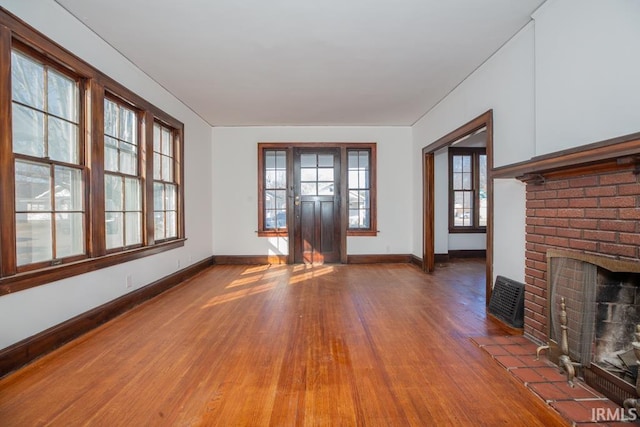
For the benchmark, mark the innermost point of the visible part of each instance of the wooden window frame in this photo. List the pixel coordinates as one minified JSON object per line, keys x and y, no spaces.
{"x":475,"y":153}
{"x":344,"y":148}
{"x":94,"y":87}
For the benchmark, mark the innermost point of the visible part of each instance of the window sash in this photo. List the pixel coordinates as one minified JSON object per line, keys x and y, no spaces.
{"x":467,"y":189}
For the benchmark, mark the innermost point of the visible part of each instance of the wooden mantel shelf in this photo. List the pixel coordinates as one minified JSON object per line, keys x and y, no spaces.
{"x":613,"y":154}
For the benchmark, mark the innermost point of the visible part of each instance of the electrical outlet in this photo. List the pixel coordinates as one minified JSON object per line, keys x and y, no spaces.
{"x":129,"y":281}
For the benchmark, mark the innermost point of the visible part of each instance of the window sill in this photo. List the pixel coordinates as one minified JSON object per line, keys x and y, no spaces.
{"x":362,"y":233}
{"x":469,"y":230}
{"x":30,"y":279}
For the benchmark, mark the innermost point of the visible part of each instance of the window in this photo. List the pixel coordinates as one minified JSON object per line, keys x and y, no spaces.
{"x":468,"y":189}
{"x":165,"y":190}
{"x":359,"y":189}
{"x":49,"y":185}
{"x":275,"y":189}
{"x":91,"y":168}
{"x":122,"y":182}
{"x":358,"y":192}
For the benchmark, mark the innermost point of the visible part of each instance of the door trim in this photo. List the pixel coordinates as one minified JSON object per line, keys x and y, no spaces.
{"x":428,"y":261}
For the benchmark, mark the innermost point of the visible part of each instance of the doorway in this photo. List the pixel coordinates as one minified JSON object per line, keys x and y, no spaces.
{"x":317,"y":218}
{"x":428,"y":261}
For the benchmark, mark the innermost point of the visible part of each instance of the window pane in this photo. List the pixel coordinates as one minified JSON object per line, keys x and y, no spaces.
{"x":28,"y":131}
{"x":128,"y":159}
{"x":62,"y":96}
{"x":171,"y":224}
{"x":132,"y":195}
{"x":128,"y":125}
{"x":114,"y":229}
{"x":457,"y":164}
{"x":27,"y":81}
{"x":354,"y":200}
{"x":158,"y":196}
{"x":280,"y":199}
{"x":33,"y":238}
{"x":466,"y":181}
{"x":110,"y":154}
{"x":156,"y":137}
{"x":281,"y":179}
{"x":110,"y":118}
{"x":364,"y":198}
{"x":270,"y":179}
{"x":69,"y":234}
{"x":466,"y":163}
{"x":113,"y":192}
{"x":33,"y":187}
{"x":63,"y":141}
{"x":269,"y":159}
{"x":281,"y":160}
{"x":133,"y":221}
{"x":170,"y":195}
{"x":353,"y":160}
{"x":159,"y":232}
{"x":363,"y":159}
{"x":157,"y":165}
{"x":167,"y":169}
{"x":68,"y":189}
{"x":167,"y":148}
{"x":270,"y":199}
{"x":281,"y":219}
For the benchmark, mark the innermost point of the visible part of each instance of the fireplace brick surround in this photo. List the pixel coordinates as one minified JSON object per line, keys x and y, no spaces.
{"x":593,"y":213}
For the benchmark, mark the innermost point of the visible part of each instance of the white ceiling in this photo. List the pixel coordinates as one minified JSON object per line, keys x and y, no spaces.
{"x":306,"y":62}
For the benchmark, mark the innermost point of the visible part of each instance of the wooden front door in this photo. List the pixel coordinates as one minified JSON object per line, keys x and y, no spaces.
{"x":316,"y":174}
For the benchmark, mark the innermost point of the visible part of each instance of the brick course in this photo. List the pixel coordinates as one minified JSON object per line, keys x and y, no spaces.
{"x":597,"y":214}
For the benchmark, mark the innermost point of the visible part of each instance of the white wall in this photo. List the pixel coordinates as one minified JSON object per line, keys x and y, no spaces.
{"x":505,"y":83}
{"x":235,"y":211}
{"x":587,"y":81}
{"x":28,"y":312}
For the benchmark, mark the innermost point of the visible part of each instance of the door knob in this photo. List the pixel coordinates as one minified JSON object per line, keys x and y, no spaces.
{"x":296,"y":201}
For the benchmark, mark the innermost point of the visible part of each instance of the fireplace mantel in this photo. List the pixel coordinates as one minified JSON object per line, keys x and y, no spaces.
{"x":605,"y":156}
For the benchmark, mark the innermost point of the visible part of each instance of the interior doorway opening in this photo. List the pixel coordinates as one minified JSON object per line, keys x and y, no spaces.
{"x":431,"y":175}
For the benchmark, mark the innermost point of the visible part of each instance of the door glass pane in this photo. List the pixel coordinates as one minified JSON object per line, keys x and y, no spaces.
{"x":308,"y":160}
{"x":325,"y":174}
{"x":325,"y":188}
{"x":308,"y":189}
{"x":308,"y":174}
{"x":34,"y":242}
{"x":69,"y":234}
{"x":325,"y":160}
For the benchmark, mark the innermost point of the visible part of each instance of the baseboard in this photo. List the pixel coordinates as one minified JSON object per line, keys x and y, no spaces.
{"x":249,"y":259}
{"x":29,"y":349}
{"x":378,"y":259}
{"x":440,"y":258}
{"x":468,"y":253}
{"x":417,"y":261}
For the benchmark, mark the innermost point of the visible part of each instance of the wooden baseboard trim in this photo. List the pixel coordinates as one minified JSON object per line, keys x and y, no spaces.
{"x":441,"y":258}
{"x":379,"y":259}
{"x":469,"y":253}
{"x":249,"y":259}
{"x":29,"y":349}
{"x":417,"y":261}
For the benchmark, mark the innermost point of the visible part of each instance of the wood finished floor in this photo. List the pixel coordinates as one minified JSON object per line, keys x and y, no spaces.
{"x":378,"y":345}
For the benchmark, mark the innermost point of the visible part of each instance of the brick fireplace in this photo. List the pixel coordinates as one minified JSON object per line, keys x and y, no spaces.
{"x":583,"y":205}
{"x":595,"y":213}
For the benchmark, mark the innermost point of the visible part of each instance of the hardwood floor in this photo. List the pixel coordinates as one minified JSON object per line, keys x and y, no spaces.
{"x":334,"y":345}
